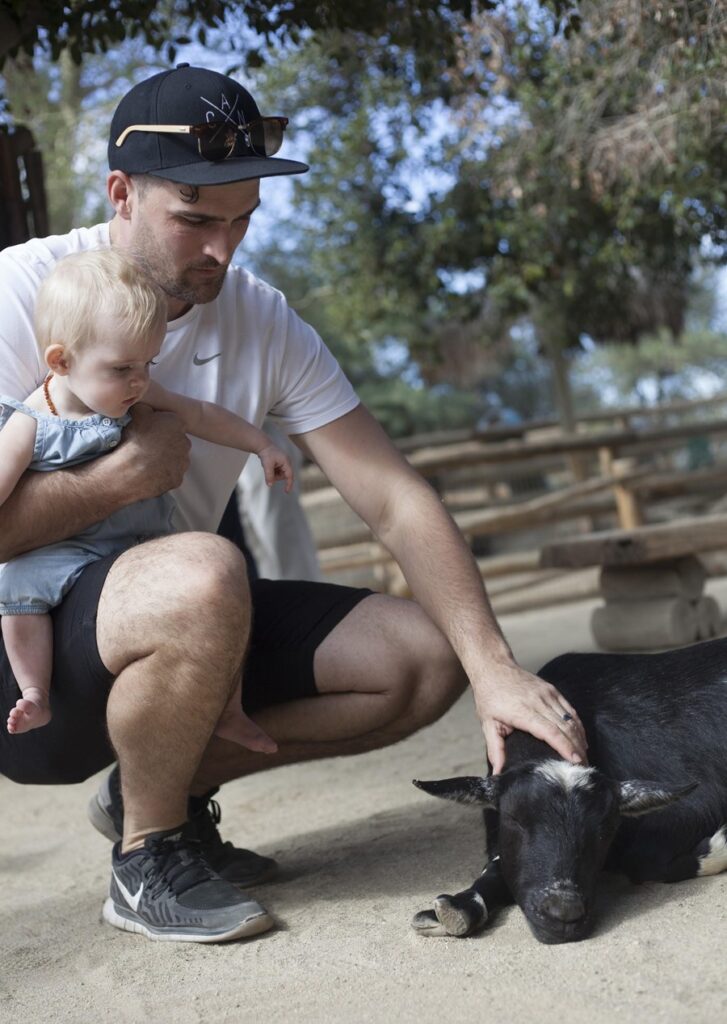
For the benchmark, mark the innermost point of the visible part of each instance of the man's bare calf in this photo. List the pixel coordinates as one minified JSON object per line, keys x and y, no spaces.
{"x":383,"y":673}
{"x":173,"y":624}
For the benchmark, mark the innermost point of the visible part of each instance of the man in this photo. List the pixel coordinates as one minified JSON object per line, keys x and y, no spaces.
{"x":148,"y":647}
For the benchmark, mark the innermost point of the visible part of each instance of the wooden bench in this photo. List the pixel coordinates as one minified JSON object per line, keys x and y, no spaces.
{"x":651,"y":579}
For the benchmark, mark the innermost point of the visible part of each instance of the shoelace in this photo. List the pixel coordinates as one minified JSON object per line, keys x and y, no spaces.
{"x":177,"y":865}
{"x":214,"y":811}
{"x":205,"y":820}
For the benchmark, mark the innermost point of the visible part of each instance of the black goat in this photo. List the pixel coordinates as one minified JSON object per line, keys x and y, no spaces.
{"x":551,"y":826}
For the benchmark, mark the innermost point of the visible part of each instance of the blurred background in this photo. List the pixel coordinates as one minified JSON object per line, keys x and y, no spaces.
{"x":514,"y":210}
{"x":512,"y":232}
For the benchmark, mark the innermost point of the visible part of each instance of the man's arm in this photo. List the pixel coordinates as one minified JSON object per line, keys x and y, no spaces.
{"x":409,"y":518}
{"x":48,"y":507}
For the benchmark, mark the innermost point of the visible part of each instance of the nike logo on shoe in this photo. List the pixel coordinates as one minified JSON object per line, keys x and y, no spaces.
{"x":133,"y":901}
{"x":200,"y":362}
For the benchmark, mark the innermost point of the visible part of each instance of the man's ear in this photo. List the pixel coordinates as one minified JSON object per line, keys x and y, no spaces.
{"x":57,"y":359}
{"x":120,"y":189}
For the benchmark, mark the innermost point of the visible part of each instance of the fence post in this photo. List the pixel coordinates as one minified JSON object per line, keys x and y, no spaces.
{"x":22,"y":191}
{"x":627,"y":504}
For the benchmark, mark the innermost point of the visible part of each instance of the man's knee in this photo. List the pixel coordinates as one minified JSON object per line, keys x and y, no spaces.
{"x":438,"y":679}
{"x":203,"y":569}
{"x":199,"y":569}
{"x":427,"y":677}
{"x":185,"y":588}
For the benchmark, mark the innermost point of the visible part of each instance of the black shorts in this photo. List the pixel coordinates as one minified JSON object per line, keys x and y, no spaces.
{"x":290,"y":619}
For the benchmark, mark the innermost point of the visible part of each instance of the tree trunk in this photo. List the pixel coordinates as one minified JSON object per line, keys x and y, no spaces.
{"x":554,"y":337}
{"x":561,"y":384}
{"x":552,"y":332}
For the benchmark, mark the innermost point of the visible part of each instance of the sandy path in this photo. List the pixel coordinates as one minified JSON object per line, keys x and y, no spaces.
{"x":362,"y":851}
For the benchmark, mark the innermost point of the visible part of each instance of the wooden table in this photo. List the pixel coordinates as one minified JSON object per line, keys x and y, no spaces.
{"x":651,"y":579}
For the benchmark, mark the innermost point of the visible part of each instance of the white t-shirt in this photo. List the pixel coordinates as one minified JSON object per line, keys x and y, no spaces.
{"x":247,"y":351}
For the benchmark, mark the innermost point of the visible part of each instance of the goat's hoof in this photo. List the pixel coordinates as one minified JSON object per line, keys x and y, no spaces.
{"x":460,"y":915}
{"x":426,"y":923}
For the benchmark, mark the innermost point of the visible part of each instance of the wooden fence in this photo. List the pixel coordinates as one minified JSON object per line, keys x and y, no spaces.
{"x":23,"y":209}
{"x":621,"y":474}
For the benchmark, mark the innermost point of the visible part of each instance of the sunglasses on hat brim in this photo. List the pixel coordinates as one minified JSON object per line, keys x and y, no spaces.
{"x":218,"y":140}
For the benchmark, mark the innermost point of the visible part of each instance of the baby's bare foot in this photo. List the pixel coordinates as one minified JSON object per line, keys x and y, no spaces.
{"x":31,"y":711}
{"x":234,"y":725}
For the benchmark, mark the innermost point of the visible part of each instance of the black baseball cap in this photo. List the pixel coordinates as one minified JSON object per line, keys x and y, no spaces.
{"x":189,"y":96}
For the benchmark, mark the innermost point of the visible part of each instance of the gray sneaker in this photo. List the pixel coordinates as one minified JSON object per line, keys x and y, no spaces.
{"x":239,"y":866}
{"x":167,"y":892}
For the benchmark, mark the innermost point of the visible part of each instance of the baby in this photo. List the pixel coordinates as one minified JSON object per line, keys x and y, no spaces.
{"x":100,"y":324}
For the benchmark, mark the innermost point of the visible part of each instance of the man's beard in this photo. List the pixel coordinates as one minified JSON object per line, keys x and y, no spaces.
{"x":196,"y":294}
{"x":174,"y":283}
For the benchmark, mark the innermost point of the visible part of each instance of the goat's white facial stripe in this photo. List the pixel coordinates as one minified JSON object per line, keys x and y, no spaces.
{"x":716,"y":860}
{"x":569,"y":776}
{"x":560,"y":885}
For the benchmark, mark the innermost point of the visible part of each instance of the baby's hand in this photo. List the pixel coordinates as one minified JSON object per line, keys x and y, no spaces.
{"x":277,"y":466}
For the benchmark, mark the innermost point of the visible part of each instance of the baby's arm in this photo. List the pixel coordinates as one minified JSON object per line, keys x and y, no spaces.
{"x":214,"y":423}
{"x":17,"y":442}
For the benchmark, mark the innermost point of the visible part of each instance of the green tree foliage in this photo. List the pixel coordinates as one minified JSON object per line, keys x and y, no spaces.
{"x":655,"y":369}
{"x":605,"y":185}
{"x":350,"y":256}
{"x":571,"y":180}
{"x":67,"y":107}
{"x":473,"y":166}
{"x":92,"y":26}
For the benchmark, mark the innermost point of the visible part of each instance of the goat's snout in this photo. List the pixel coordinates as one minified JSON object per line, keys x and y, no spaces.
{"x":558,"y":914}
{"x":561,"y":905}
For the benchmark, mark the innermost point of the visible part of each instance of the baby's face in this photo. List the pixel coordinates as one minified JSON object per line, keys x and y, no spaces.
{"x":112,"y":375}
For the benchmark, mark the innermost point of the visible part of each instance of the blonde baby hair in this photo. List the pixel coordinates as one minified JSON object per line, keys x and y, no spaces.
{"x":86,"y":286}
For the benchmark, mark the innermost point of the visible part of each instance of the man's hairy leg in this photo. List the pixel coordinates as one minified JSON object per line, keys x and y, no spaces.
{"x":172,"y":627}
{"x":384,"y":672}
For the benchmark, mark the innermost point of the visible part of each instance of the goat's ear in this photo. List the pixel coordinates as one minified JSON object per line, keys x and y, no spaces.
{"x":637,"y":797}
{"x":467,"y":789}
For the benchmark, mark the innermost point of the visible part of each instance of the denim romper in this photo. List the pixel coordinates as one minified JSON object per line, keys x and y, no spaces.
{"x":38,"y":580}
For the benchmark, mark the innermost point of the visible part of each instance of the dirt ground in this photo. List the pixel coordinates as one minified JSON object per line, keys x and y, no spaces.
{"x":361,"y":851}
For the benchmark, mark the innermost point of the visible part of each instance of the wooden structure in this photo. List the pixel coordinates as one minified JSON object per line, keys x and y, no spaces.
{"x":651,"y":580}
{"x":610,"y":444}
{"x":636,"y":475}
{"x":631,"y":470}
{"x":623,"y":417}
{"x":23,"y":207}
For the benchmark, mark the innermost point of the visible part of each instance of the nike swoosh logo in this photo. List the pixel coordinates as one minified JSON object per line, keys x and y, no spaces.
{"x":200,"y":362}
{"x":133,"y":901}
